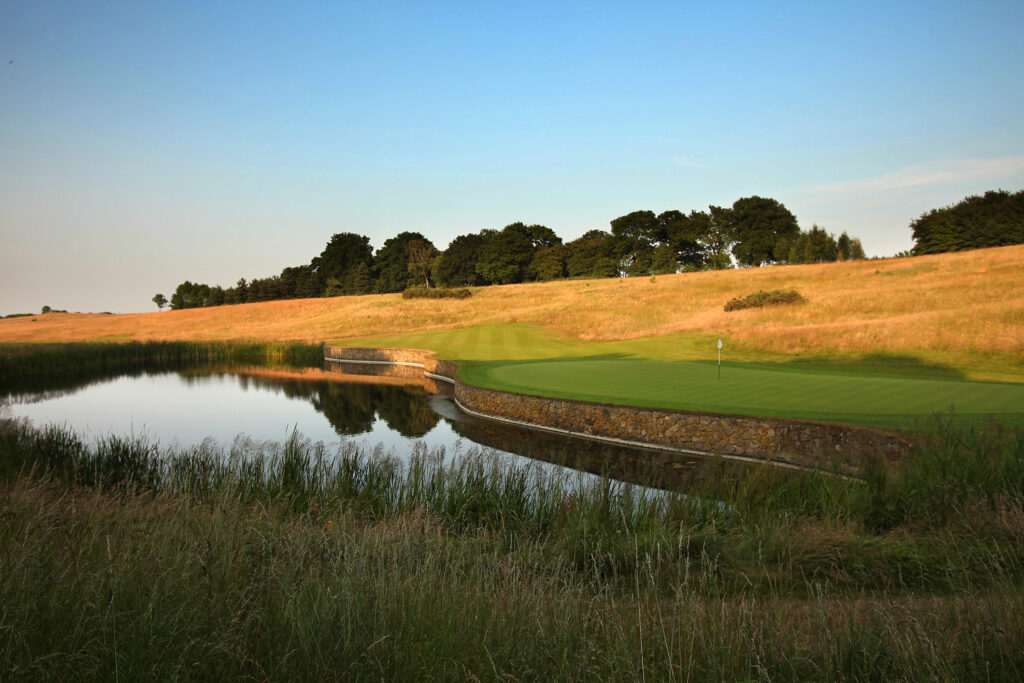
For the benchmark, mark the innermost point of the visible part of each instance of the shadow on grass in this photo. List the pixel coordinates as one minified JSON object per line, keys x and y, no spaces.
{"x":880,"y":364}
{"x":873,"y":365}
{"x":956,"y":403}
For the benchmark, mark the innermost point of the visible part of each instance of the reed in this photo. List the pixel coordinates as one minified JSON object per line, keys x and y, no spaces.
{"x":32,"y":360}
{"x":284,"y":560}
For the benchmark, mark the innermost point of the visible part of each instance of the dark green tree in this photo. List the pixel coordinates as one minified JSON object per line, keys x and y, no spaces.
{"x":505,"y":257}
{"x":548,"y":263}
{"x":160,"y":300}
{"x":843,"y":247}
{"x":763,"y":228}
{"x":420,"y":262}
{"x":719,"y":238}
{"x":856,"y":250}
{"x":814,"y":246}
{"x":636,"y":235}
{"x":994,"y":219}
{"x":391,"y":262}
{"x":344,"y":252}
{"x":190,"y":295}
{"x":663,"y":260}
{"x":542,"y":236}
{"x":297,"y":282}
{"x":358,"y":280}
{"x":216,"y":296}
{"x":456,"y":266}
{"x":241,"y":291}
{"x":592,"y":255}
{"x":685,"y":235}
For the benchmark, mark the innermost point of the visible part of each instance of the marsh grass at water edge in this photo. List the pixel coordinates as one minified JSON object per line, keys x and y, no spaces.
{"x":123,"y":558}
{"x":19,"y":361}
{"x":286,"y":561}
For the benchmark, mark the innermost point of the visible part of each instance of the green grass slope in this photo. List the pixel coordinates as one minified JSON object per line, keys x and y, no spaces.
{"x":680,"y":372}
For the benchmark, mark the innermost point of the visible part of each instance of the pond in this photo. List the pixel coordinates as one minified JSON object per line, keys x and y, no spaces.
{"x":391,"y":409}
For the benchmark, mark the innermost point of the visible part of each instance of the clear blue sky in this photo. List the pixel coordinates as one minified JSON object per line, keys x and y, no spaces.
{"x":145,"y":143}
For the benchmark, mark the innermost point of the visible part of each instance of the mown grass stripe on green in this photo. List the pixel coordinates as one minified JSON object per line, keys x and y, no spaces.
{"x":679,"y":371}
{"x":752,"y":390}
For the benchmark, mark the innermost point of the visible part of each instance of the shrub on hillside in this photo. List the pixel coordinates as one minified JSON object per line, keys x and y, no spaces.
{"x":759,"y":299}
{"x":436,"y":293}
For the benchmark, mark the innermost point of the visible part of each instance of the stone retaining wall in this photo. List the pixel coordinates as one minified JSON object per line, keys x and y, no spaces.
{"x":434,"y":366}
{"x":800,"y":442}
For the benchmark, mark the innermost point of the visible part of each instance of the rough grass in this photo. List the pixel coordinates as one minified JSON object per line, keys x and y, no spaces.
{"x":776,"y":297}
{"x":965,"y":309}
{"x":122,"y":560}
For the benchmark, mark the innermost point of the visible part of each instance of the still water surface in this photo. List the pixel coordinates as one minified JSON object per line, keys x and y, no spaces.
{"x":187,"y":407}
{"x":178,"y":409}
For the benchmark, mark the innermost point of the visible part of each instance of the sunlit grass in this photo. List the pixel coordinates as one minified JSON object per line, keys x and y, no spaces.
{"x":965,"y":308}
{"x":760,"y":389}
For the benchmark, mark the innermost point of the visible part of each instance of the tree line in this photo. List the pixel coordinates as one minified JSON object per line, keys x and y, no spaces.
{"x":754,"y":231}
{"x":995,"y":219}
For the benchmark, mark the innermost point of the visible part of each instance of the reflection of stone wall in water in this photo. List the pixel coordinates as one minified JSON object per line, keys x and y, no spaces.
{"x":812,"y":444}
{"x":660,"y":469}
{"x":410,"y":374}
{"x":801,"y":442}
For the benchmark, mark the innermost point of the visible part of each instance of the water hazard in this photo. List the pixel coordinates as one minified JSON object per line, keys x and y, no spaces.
{"x":390,"y":409}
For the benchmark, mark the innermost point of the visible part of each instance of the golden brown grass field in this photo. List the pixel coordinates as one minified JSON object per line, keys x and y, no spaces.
{"x":960,"y":307}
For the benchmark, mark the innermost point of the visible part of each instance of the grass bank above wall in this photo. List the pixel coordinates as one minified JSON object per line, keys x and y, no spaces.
{"x":962,"y":310}
{"x":680,"y":372}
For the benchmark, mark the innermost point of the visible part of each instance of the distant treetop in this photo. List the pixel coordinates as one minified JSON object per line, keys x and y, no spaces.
{"x":995,"y":219}
{"x":756,"y":230}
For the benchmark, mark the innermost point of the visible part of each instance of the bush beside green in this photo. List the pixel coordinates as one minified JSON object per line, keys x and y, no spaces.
{"x":760,"y":299}
{"x":436,"y":293}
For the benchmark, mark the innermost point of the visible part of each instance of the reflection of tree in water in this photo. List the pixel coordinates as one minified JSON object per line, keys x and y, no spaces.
{"x":352,"y":408}
{"x":405,"y":410}
{"x":348,"y":407}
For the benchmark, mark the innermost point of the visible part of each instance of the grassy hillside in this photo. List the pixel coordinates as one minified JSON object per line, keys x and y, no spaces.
{"x":963,"y":310}
{"x":878,"y":342}
{"x":680,"y":371}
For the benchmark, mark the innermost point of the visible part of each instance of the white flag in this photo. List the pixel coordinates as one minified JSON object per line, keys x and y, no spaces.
{"x":719,"y":343}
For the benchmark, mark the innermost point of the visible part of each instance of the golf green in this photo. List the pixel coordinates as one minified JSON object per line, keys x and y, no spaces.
{"x":678,"y":371}
{"x":758,"y":390}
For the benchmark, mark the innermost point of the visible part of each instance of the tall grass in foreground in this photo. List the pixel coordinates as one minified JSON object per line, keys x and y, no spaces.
{"x":288,"y":561}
